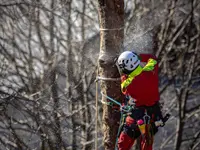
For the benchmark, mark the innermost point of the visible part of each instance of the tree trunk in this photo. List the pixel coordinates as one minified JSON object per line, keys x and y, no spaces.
{"x":69,"y":74}
{"x":111,"y":15}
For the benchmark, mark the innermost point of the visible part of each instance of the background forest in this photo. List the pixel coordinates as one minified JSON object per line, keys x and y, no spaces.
{"x":48,"y":61}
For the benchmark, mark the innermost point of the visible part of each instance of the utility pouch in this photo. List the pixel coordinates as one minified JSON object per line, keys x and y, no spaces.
{"x":132,"y":131}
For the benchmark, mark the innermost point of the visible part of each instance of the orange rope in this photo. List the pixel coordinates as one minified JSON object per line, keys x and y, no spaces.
{"x":148,"y":137}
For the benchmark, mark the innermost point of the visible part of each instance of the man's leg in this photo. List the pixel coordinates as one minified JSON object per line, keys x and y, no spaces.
{"x":128,"y":136}
{"x":145,"y":146}
{"x":125,"y":142}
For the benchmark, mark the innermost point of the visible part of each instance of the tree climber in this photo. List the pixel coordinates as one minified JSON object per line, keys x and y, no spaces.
{"x":139,"y":83}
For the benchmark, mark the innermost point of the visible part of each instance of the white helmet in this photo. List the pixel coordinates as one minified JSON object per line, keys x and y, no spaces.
{"x":128,"y":61}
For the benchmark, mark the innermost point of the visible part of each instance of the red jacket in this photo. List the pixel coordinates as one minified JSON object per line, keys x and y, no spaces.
{"x":144,"y":87}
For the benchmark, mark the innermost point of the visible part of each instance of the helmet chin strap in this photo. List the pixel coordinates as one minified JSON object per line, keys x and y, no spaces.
{"x":123,"y":70}
{"x":128,"y":71}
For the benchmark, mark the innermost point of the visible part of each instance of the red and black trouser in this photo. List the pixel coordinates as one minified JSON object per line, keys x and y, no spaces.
{"x":130,"y":130}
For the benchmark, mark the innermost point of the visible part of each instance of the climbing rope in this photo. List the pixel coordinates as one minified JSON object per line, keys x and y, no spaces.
{"x":96,"y":126}
{"x":121,"y":115}
{"x":107,"y":29}
{"x":113,"y":101}
{"x":107,"y":79}
{"x":119,"y":129}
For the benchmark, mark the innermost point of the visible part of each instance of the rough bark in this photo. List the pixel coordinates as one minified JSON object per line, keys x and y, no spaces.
{"x":111,"y":15}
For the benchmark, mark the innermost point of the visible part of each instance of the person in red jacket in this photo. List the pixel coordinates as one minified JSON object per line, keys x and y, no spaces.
{"x":139,"y":82}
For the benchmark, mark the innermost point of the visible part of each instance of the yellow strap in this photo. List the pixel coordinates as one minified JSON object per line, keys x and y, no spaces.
{"x":131,"y":76}
{"x":148,"y":67}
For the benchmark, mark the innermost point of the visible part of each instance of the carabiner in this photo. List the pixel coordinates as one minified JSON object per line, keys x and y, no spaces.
{"x":146,"y":118}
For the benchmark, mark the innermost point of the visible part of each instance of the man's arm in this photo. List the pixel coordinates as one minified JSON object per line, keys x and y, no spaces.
{"x":151,"y":61}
